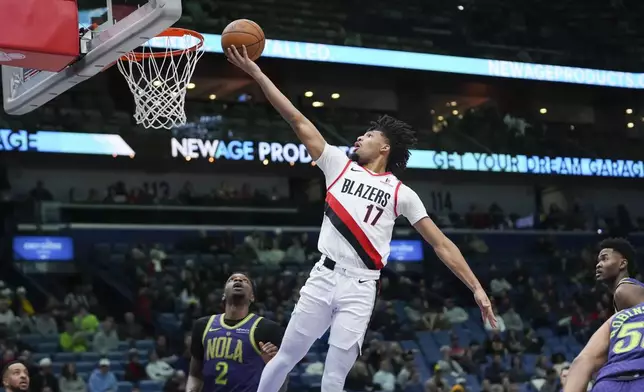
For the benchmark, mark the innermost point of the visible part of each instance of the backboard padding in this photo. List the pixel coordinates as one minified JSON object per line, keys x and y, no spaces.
{"x":25,"y":90}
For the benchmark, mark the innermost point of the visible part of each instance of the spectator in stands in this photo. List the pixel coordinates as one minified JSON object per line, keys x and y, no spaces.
{"x":134,"y":370}
{"x":359,"y":378}
{"x":468,"y":362}
{"x":40,"y":193}
{"x":22,"y":305}
{"x":8,"y":356}
{"x":188,"y":295}
{"x":455,"y":314}
{"x":385,"y":377}
{"x":8,"y":319}
{"x":295,"y":252}
{"x":512,"y":320}
{"x":495,"y":345}
{"x":437,"y":383}
{"x":72,"y":340}
{"x":541,"y":367}
{"x":563,"y":376}
{"x":157,"y":369}
{"x":106,"y":339}
{"x":513,"y":343}
{"x":44,"y":324}
{"x":517,"y":374}
{"x":552,"y":382}
{"x":455,"y":349}
{"x":86,"y":322}
{"x":69,"y":380}
{"x":130,"y":329}
{"x":414,"y":311}
{"x":102,"y":379}
{"x":163,"y":349}
{"x":495,"y":372}
{"x":385,"y":320}
{"x":44,"y":377}
{"x":449,"y":365}
{"x":559,"y":362}
{"x":177,"y":383}
{"x":499,"y":286}
{"x":531,"y":341}
{"x":183,"y":362}
{"x":76,"y":299}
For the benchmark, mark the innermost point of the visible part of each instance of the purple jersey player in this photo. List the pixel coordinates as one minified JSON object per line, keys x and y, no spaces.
{"x":616,"y":349}
{"x":229,"y":350}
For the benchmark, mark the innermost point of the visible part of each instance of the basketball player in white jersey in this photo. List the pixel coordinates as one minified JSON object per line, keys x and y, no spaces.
{"x":363,"y":200}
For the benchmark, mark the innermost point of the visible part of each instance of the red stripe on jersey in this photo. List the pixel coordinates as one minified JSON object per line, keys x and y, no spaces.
{"x":340,"y":175}
{"x":396,"y":198}
{"x":355,"y":230}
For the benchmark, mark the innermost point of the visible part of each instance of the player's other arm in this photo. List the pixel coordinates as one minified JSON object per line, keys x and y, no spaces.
{"x":303,"y":127}
{"x":268,"y":338}
{"x":590,"y":360}
{"x":195,"y":372}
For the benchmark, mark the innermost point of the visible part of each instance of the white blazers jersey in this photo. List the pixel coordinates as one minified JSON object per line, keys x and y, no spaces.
{"x":360,"y":211}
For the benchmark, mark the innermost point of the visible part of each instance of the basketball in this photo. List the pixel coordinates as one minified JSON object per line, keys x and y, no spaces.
{"x":244,"y":32}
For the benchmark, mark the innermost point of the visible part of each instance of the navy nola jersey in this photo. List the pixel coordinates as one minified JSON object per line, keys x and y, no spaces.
{"x":230,"y":351}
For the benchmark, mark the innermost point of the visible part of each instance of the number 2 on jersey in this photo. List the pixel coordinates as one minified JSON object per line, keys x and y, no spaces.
{"x":379,"y":212}
{"x":630,"y":337}
{"x":222,"y":368}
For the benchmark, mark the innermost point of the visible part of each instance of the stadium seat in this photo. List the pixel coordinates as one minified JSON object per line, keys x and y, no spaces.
{"x":150,"y":386}
{"x":86,"y":367}
{"x":48,"y":348}
{"x":90,"y":357}
{"x":125,"y":386}
{"x":65,"y":357}
{"x":146,"y":345}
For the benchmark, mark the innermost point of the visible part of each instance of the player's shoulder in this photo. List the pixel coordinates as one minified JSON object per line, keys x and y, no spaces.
{"x":267,"y":322}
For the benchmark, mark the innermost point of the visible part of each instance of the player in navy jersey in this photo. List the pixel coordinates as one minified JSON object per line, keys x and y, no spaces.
{"x":229,"y":350}
{"x":616,"y":350}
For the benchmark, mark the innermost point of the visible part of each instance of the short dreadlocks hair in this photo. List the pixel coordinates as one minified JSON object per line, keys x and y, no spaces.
{"x":401,"y":139}
{"x":624,"y":248}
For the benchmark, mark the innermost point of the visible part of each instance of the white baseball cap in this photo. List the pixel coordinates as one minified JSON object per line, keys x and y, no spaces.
{"x":104,"y":362}
{"x":45,"y":362}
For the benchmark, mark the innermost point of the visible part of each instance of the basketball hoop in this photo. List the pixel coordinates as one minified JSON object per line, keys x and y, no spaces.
{"x":158,"y":75}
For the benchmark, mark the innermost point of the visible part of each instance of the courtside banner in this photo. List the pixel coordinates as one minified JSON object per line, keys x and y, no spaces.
{"x":292,"y":153}
{"x":64,"y":143}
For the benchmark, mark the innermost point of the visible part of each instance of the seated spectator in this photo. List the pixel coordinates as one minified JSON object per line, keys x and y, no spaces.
{"x":516,"y":374}
{"x":22,"y":305}
{"x":551,"y":383}
{"x":495,"y":345}
{"x":359,"y":378}
{"x":44,"y":377}
{"x":455,"y":349}
{"x":8,"y":319}
{"x":500,"y":323}
{"x":76,"y":299}
{"x":448,"y":365}
{"x":385,"y":377}
{"x":44,"y":324}
{"x":495,"y":372}
{"x":468,"y":363}
{"x":134,"y":370}
{"x":72,"y":340}
{"x":183,"y":362}
{"x":157,"y":369}
{"x":106,"y":339}
{"x":436,"y":383}
{"x":406,"y":374}
{"x":69,"y":380}
{"x":177,"y":383}
{"x":559,"y":362}
{"x":454,"y":314}
{"x":414,"y":311}
{"x":130,"y":329}
{"x":295,"y":252}
{"x":541,"y":367}
{"x":499,"y":286}
{"x":163,"y":350}
{"x":86,"y":322}
{"x":102,"y":379}
{"x":512,"y":320}
{"x":513,"y":343}
{"x":563,"y":376}
{"x":531,"y":341}
{"x":7,"y":356}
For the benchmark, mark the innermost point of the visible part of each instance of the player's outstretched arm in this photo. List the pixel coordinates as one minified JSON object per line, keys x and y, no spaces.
{"x":590,"y":360}
{"x":452,"y":257}
{"x":304,"y":129}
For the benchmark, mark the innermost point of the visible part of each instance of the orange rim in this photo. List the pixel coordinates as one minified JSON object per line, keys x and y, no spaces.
{"x":170,"y":32}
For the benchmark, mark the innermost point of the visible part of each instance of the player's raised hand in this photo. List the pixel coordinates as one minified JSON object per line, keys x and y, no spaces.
{"x":242,"y":60}
{"x":486,"y":307}
{"x":269,"y":350}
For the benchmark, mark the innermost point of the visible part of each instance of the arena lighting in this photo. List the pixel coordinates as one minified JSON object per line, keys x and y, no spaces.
{"x":308,"y":94}
{"x":440,"y":118}
{"x":157,"y":83}
{"x":318,"y":104}
{"x":453,"y":103}
{"x":190,"y":86}
{"x":212,"y":97}
{"x":629,"y":111}
{"x":274,"y":152}
{"x":460,"y":8}
{"x":455,"y":112}
{"x":543,"y":110}
{"x":335,"y":96}
{"x":630,"y":125}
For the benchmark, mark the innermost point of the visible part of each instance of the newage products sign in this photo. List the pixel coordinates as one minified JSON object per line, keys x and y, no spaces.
{"x":238,"y":150}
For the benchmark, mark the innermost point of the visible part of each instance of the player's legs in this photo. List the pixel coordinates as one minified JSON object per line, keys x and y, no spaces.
{"x":337,"y":366}
{"x":310,"y":319}
{"x":354,"y":302}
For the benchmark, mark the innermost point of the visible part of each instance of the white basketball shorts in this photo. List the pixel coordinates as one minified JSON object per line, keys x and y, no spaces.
{"x":342,"y":299}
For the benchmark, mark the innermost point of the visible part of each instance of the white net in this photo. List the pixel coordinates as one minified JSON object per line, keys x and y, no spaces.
{"x":159,"y":83}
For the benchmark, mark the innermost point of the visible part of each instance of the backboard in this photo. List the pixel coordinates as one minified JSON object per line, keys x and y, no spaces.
{"x":24,"y":89}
